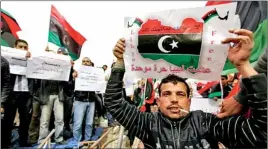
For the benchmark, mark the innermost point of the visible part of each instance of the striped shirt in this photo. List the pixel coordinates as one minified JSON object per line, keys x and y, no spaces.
{"x":236,"y":131}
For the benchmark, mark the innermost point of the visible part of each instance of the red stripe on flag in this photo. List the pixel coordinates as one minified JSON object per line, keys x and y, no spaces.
{"x":80,"y":39}
{"x":235,"y":89}
{"x":210,"y":3}
{"x":207,"y":86}
{"x":13,"y":26}
{"x":151,"y":98}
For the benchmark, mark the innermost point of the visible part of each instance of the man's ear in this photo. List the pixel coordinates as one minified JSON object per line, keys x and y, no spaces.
{"x":189,"y":100}
{"x":158,"y":102}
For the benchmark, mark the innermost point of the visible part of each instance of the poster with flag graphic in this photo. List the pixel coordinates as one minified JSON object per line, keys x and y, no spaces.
{"x":186,"y":42}
{"x":9,"y":29}
{"x":254,"y":17}
{"x":63,"y":35}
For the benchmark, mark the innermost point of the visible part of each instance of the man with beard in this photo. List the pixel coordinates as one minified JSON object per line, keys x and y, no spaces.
{"x":177,"y":127}
{"x":84,"y":107}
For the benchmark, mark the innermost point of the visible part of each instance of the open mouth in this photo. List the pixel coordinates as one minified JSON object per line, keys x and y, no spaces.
{"x":174,"y":109}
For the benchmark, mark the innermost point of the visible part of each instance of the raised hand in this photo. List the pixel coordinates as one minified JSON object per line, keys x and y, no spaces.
{"x":239,"y":53}
{"x":119,"y":49}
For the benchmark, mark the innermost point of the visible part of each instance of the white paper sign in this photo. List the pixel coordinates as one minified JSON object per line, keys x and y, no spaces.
{"x":90,"y":79}
{"x":16,"y":58}
{"x":49,"y":66}
{"x":205,"y":104}
{"x":185,"y":42}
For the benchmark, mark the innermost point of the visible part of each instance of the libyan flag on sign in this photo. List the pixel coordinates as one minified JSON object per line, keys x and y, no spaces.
{"x":62,"y":35}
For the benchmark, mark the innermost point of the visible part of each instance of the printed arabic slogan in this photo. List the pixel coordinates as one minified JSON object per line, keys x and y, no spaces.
{"x":49,"y":66}
{"x":16,"y":58}
{"x":186,"y":42}
{"x":90,"y":79}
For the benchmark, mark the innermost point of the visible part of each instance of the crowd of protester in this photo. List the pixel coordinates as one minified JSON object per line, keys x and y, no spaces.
{"x":154,"y":113}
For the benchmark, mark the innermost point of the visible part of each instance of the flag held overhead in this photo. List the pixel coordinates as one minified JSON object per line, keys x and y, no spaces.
{"x":62,"y":34}
{"x":9,"y":29}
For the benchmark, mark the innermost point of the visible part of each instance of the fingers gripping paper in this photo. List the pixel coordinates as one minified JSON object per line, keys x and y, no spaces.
{"x":186,"y":42}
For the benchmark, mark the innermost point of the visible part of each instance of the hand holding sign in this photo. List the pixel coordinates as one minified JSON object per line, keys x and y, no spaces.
{"x":119,"y":49}
{"x":75,"y":74}
{"x":240,"y":52}
{"x":28,"y":54}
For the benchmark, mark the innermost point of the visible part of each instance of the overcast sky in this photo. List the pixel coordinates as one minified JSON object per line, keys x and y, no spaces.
{"x":101,"y":23}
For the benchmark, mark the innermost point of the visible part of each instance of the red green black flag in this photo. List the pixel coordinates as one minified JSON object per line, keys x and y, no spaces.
{"x":62,"y":34}
{"x":9,"y":29}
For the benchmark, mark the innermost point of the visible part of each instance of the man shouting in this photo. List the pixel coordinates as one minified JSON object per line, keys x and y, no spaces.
{"x":174,"y":126}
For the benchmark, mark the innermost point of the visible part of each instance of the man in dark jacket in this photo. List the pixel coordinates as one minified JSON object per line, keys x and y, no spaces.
{"x":5,"y":82}
{"x":175,"y":127}
{"x":5,"y":92}
{"x":21,"y":99}
{"x":84,"y":106}
{"x":51,"y":96}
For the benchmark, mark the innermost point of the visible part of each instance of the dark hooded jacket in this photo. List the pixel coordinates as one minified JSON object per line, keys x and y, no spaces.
{"x":197,"y":129}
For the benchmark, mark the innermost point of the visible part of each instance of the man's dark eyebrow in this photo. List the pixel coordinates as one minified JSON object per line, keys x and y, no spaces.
{"x":181,"y":92}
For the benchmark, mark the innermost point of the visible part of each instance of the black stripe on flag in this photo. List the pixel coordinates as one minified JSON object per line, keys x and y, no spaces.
{"x":170,"y":44}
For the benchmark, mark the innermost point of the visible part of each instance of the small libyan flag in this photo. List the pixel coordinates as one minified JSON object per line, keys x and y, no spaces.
{"x":136,"y":21}
{"x":177,"y":46}
{"x":9,"y":29}
{"x":62,"y":35}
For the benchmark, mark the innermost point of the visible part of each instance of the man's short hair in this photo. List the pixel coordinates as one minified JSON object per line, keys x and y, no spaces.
{"x":63,"y":50}
{"x":224,"y":76}
{"x":104,"y":66}
{"x":174,"y":79}
{"x":20,"y":40}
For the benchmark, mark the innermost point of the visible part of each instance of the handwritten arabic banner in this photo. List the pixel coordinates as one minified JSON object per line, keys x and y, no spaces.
{"x":49,"y":66}
{"x":186,"y":42}
{"x":90,"y":79}
{"x":16,"y":58}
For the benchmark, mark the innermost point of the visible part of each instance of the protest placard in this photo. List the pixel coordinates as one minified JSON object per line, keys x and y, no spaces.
{"x":185,"y":42}
{"x":16,"y":58}
{"x":49,"y":66}
{"x":90,"y":79}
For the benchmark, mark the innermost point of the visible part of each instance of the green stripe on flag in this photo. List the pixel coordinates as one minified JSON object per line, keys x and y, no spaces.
{"x":210,"y":17}
{"x":7,"y":13}
{"x":4,"y":43}
{"x":215,"y":94}
{"x":55,"y":39}
{"x":186,"y":60}
{"x":260,"y":43}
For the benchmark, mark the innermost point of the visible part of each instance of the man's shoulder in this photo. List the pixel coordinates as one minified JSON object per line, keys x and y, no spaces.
{"x":199,"y":114}
{"x":4,"y":61}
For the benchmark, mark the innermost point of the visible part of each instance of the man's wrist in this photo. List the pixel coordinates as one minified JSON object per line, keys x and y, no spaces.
{"x":119,"y":64}
{"x":246,"y":70}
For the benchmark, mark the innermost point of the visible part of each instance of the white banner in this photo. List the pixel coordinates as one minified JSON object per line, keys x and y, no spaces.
{"x":185,"y":42}
{"x":49,"y":66}
{"x":16,"y":58}
{"x":90,"y":79}
{"x":205,"y":104}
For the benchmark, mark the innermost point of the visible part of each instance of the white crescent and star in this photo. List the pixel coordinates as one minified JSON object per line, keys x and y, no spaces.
{"x":160,"y":44}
